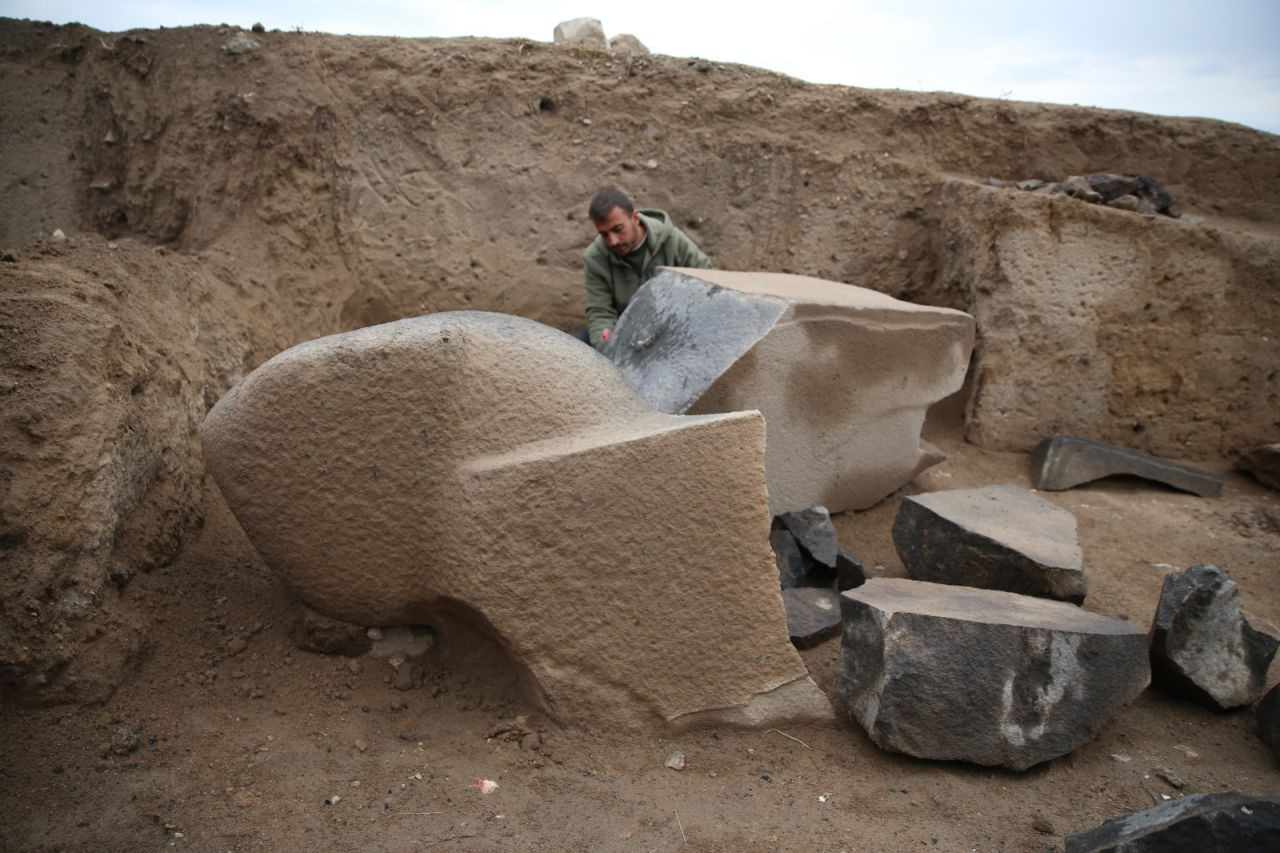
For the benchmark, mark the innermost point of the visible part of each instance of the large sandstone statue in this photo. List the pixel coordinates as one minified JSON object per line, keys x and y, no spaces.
{"x":487,"y":467}
{"x":842,"y":374}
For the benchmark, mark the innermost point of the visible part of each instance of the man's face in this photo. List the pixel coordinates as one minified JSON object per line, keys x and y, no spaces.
{"x":621,"y":231}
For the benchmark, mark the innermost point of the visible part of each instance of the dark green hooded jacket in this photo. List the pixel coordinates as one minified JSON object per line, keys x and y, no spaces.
{"x":613,"y":280}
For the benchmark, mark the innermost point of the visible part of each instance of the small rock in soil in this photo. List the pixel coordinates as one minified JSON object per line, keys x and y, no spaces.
{"x":1042,"y":825}
{"x":1202,"y":647}
{"x":675,"y":761}
{"x":124,"y":740}
{"x":360,"y":745}
{"x":236,"y":645}
{"x":1263,"y":463}
{"x":1169,"y":776}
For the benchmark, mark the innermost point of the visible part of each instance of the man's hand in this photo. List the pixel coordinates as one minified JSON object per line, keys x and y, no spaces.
{"x":604,"y":335}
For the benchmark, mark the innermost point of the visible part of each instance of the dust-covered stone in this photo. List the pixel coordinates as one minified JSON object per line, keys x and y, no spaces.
{"x":997,"y":537}
{"x":1202,"y":647}
{"x":988,"y":677}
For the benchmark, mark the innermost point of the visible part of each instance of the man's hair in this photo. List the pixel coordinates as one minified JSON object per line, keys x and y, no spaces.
{"x":606,"y":200}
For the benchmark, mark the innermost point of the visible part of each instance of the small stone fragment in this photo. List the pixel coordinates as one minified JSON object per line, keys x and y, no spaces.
{"x":240,"y":43}
{"x":815,"y":533}
{"x":314,"y":632}
{"x":849,"y":570}
{"x":585,"y":32}
{"x":1263,"y":462}
{"x":794,"y":566}
{"x":997,"y":537}
{"x":59,"y":236}
{"x":1200,"y":822}
{"x":955,"y":673}
{"x":124,"y":740}
{"x":1043,"y":826}
{"x":1120,"y":758}
{"x":1063,"y":461}
{"x":627,"y":43}
{"x":675,"y":761}
{"x":531,"y":742}
{"x":360,"y":745}
{"x":813,"y":614}
{"x":1186,"y":751}
{"x":1167,"y":774}
{"x":236,"y":645}
{"x":1202,"y":647}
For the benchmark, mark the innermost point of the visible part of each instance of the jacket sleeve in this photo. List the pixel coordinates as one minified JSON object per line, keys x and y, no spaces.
{"x":601,"y":314}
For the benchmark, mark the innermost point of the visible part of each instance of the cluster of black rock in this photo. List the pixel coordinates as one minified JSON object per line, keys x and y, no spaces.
{"x":1136,"y":193}
{"x":972,"y":659}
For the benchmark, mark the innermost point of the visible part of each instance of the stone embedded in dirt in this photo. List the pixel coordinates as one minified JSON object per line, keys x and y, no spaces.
{"x":1064,"y":461}
{"x":587,"y":32}
{"x":240,"y":43}
{"x":997,"y":537}
{"x":849,"y":570}
{"x":1202,"y":647}
{"x":675,"y":761}
{"x":627,"y":43}
{"x":1199,"y":822}
{"x":1144,"y":189}
{"x":1267,"y":714}
{"x":124,"y":740}
{"x":813,"y":614}
{"x":315,"y":632}
{"x":1169,"y":776}
{"x":1263,"y":462}
{"x":814,"y":532}
{"x":843,"y":375}
{"x":1079,"y":187}
{"x":795,"y":568}
{"x":236,"y":645}
{"x":457,"y":469}
{"x":996,"y":678}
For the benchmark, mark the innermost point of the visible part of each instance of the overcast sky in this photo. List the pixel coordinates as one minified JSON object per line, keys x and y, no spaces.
{"x":1173,"y":57}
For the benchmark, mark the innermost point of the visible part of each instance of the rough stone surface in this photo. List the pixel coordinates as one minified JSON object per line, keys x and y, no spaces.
{"x":843,"y":375}
{"x":997,"y":537}
{"x":239,"y":43}
{"x":587,"y":32}
{"x":849,"y":570}
{"x":813,"y":529}
{"x":627,"y":43}
{"x":1263,"y":462}
{"x":489,"y":469}
{"x":1268,"y":716}
{"x":994,"y":678}
{"x":813,"y":614}
{"x":1143,"y":189}
{"x":1063,"y":462}
{"x":795,"y":568}
{"x":1202,"y":647}
{"x":1227,"y":821}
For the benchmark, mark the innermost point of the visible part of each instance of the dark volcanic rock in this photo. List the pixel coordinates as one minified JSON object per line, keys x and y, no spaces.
{"x":998,"y":537}
{"x":1268,"y":716}
{"x":812,"y":528}
{"x":849,"y":570}
{"x":1263,"y":463}
{"x":795,"y":568}
{"x":1228,"y":821}
{"x":813,"y":614}
{"x":1063,"y":461}
{"x":990,"y":677}
{"x":1202,"y":647}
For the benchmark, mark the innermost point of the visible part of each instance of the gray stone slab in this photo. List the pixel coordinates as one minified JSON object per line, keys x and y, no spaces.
{"x":1202,"y":647}
{"x":1064,"y":462}
{"x":1200,"y":823}
{"x":995,"y":678}
{"x":814,"y":531}
{"x":813,"y":615}
{"x":997,"y":537}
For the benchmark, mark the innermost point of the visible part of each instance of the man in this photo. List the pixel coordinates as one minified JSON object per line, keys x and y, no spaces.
{"x":630,"y":245}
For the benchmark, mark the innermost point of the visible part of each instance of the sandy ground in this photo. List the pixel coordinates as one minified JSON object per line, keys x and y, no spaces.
{"x":245,"y":751}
